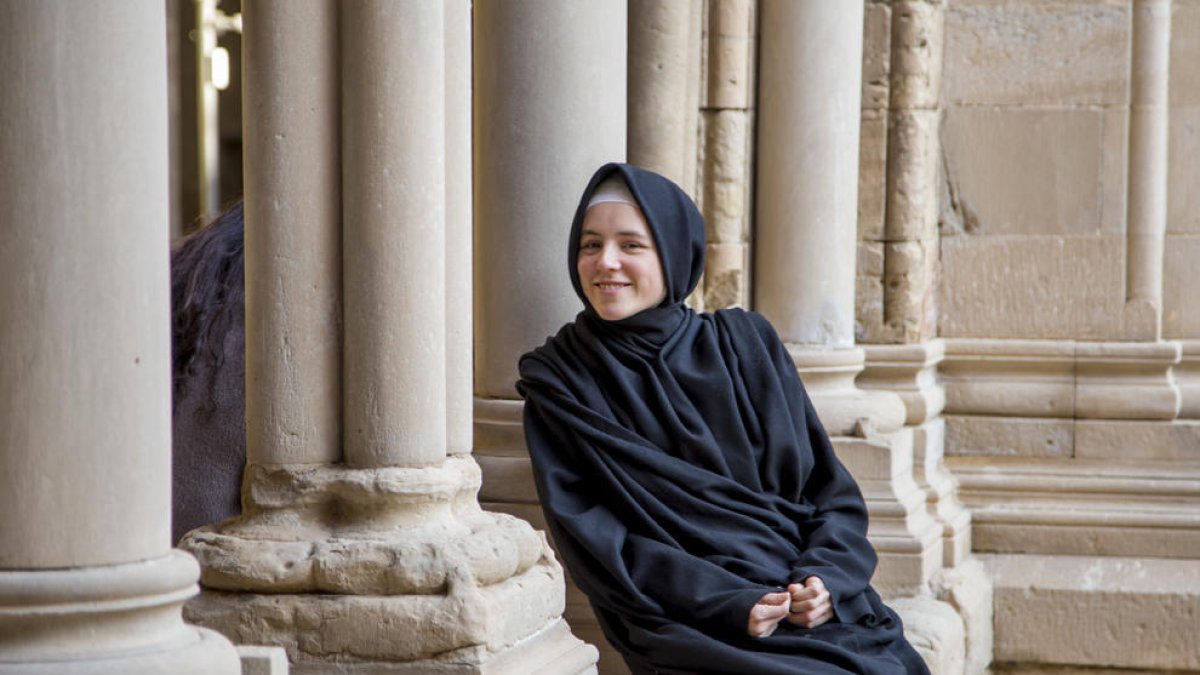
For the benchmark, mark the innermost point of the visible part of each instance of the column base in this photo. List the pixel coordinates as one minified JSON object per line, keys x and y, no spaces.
{"x":936,"y":631}
{"x":107,"y":619}
{"x":844,"y":409}
{"x":968,"y":588}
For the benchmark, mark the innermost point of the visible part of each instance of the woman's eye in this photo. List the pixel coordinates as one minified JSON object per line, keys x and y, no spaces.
{"x":589,"y":246}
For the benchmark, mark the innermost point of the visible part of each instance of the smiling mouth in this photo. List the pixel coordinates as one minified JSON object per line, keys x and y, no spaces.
{"x":610,"y":285}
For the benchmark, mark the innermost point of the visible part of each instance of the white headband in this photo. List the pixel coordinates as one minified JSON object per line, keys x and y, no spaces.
{"x":612,"y":189}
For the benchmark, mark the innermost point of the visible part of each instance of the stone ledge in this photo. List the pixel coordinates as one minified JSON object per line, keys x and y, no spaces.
{"x":1096,"y":612}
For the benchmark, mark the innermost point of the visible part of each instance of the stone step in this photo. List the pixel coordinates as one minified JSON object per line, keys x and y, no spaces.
{"x":1055,"y":612}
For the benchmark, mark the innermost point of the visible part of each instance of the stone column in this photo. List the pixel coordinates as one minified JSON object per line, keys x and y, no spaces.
{"x":725,"y":198}
{"x":810,"y":75}
{"x":550,"y":108}
{"x":1148,"y":130}
{"x":383,"y":561}
{"x":88,"y":580}
{"x":293,"y":232}
{"x":664,"y":87}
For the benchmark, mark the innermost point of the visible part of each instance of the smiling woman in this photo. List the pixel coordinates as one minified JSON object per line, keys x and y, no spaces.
{"x":618,"y":262}
{"x":692,"y":492}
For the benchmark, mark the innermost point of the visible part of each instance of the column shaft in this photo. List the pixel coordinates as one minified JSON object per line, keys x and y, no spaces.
{"x":88,"y":581}
{"x":394,"y":232}
{"x":85,"y":422}
{"x":549,"y":109}
{"x":460,"y":388}
{"x":810,"y":71}
{"x":664,"y":56}
{"x":1148,"y":127}
{"x":293,"y":240}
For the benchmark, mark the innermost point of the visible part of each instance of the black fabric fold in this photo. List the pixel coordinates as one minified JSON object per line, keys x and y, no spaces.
{"x":684,"y":474}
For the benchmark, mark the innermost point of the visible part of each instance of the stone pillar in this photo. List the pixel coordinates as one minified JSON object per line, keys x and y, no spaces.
{"x":728,"y":149}
{"x":382,"y":561}
{"x":460,"y":385}
{"x":293,"y":233}
{"x":550,"y":108}
{"x":1148,"y":129}
{"x":810,"y":75}
{"x":88,"y":580}
{"x":664,"y":87}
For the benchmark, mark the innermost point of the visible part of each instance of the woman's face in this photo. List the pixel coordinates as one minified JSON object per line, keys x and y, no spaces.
{"x":618,"y":264}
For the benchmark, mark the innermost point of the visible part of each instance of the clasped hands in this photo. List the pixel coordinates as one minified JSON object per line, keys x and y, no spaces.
{"x":806,"y":605}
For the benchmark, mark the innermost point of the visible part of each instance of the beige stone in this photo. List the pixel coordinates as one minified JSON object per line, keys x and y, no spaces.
{"x":1137,"y":440}
{"x":1027,"y":171}
{"x":731,"y":32}
{"x":912,"y":191}
{"x":1009,"y":436}
{"x":293,"y":212}
{"x":1185,"y":49}
{"x":877,"y":56}
{"x":936,"y":631}
{"x":1187,"y":378}
{"x":460,"y":385}
{"x":664,"y":41}
{"x":1081,"y":506}
{"x":1044,"y":287}
{"x":911,"y":372}
{"x":263,"y":660}
{"x":1104,"y":612}
{"x":917,"y":52}
{"x":726,"y":276}
{"x":910,"y":272}
{"x":555,"y":114}
{"x":1062,"y":53}
{"x":1013,"y":378}
{"x":394,"y":125}
{"x":1126,"y":381}
{"x":727,"y":189}
{"x":1183,"y":211}
{"x":1181,"y":302}
{"x":967,"y":587}
{"x":872,"y":176}
{"x":844,"y":409}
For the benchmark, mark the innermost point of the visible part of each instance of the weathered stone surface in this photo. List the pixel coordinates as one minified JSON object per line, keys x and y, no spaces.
{"x":1081,"y":506}
{"x":263,"y":660}
{"x":1044,"y":287}
{"x":1065,"y":52}
{"x":1027,"y":171}
{"x":1187,"y":378}
{"x":877,"y":56}
{"x":872,"y":176}
{"x":913,"y":151}
{"x":726,"y":276}
{"x":1103,"y":612}
{"x":967,"y":587}
{"x":1181,"y":302}
{"x":1009,"y":436}
{"x":936,"y":631}
{"x":1135,"y":440}
{"x":1183,"y":197}
{"x":462,"y":624}
{"x":731,"y":29}
{"x":917,"y":51}
{"x":727,"y":156}
{"x":1185,"y":50}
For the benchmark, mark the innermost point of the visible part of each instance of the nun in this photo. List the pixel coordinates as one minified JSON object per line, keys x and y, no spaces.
{"x":689,"y":487}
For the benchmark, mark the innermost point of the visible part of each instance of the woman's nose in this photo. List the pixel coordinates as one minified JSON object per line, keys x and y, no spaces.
{"x":610,"y":257}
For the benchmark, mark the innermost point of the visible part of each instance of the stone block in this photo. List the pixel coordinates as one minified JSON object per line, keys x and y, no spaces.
{"x":1134,"y":440}
{"x":972,"y":435}
{"x":872,"y":175}
{"x":1032,"y":52}
{"x":1183,"y":197}
{"x":877,"y":55}
{"x":1114,"y":171}
{"x":910,"y":269}
{"x":870,"y":259}
{"x":1043,"y":287}
{"x":507,"y":479}
{"x":912,"y":175}
{"x":1185,"y":49}
{"x":967,"y":587}
{"x":1181,"y":302}
{"x":1187,"y":378}
{"x":936,"y":631}
{"x":917,"y":52}
{"x":1096,"y":612}
{"x":727,"y":276}
{"x":730,"y":55}
{"x":263,"y":660}
{"x":1023,"y":171}
{"x":726,"y":175}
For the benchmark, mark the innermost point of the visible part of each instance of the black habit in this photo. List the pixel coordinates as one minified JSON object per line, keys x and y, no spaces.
{"x":684,"y":474}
